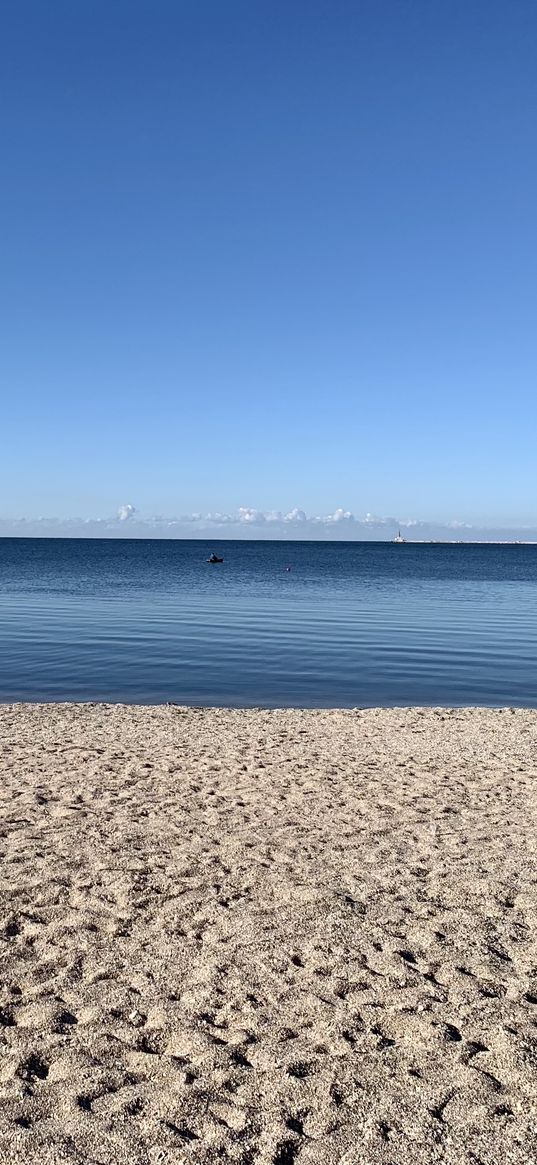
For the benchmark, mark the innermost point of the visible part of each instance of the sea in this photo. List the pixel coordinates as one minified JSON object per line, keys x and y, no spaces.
{"x":276,"y":624}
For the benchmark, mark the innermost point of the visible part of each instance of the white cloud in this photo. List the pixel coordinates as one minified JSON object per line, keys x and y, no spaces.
{"x":376,"y":520}
{"x":248,"y":515}
{"x":249,"y":522}
{"x":216,"y":518}
{"x":340,"y":515}
{"x":126,"y":512}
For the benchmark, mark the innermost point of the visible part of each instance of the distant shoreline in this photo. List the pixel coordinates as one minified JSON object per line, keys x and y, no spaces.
{"x":463,"y":542}
{"x":219,"y":541}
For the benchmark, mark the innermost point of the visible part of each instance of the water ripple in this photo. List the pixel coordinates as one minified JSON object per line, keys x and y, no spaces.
{"x":362,"y":624}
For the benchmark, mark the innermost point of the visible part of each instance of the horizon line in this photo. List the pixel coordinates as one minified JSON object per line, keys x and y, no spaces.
{"x":203,"y":537}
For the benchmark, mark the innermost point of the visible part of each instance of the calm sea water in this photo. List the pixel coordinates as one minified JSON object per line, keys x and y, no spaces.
{"x":349,"y":624}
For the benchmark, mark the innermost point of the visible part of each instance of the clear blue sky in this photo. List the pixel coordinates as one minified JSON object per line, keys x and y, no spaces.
{"x":269,"y":253}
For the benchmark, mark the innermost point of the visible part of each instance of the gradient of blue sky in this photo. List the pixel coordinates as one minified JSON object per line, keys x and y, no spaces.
{"x":269,"y":254}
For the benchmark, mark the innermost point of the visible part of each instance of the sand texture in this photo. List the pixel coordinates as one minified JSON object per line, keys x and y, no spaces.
{"x":267,"y":936}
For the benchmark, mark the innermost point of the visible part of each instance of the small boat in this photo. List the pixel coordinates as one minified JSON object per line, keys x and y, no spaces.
{"x":215,"y":558}
{"x":399,"y":538}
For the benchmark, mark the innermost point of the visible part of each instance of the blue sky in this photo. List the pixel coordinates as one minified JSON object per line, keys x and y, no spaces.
{"x":270,"y":255}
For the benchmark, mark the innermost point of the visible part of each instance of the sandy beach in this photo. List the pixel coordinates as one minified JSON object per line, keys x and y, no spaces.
{"x":268,"y":936}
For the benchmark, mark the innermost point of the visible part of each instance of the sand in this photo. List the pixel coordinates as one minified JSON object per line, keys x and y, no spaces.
{"x":267,"y":936}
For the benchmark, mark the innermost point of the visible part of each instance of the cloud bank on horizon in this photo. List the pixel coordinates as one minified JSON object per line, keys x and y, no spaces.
{"x":249,"y":522}
{"x":126,"y":512}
